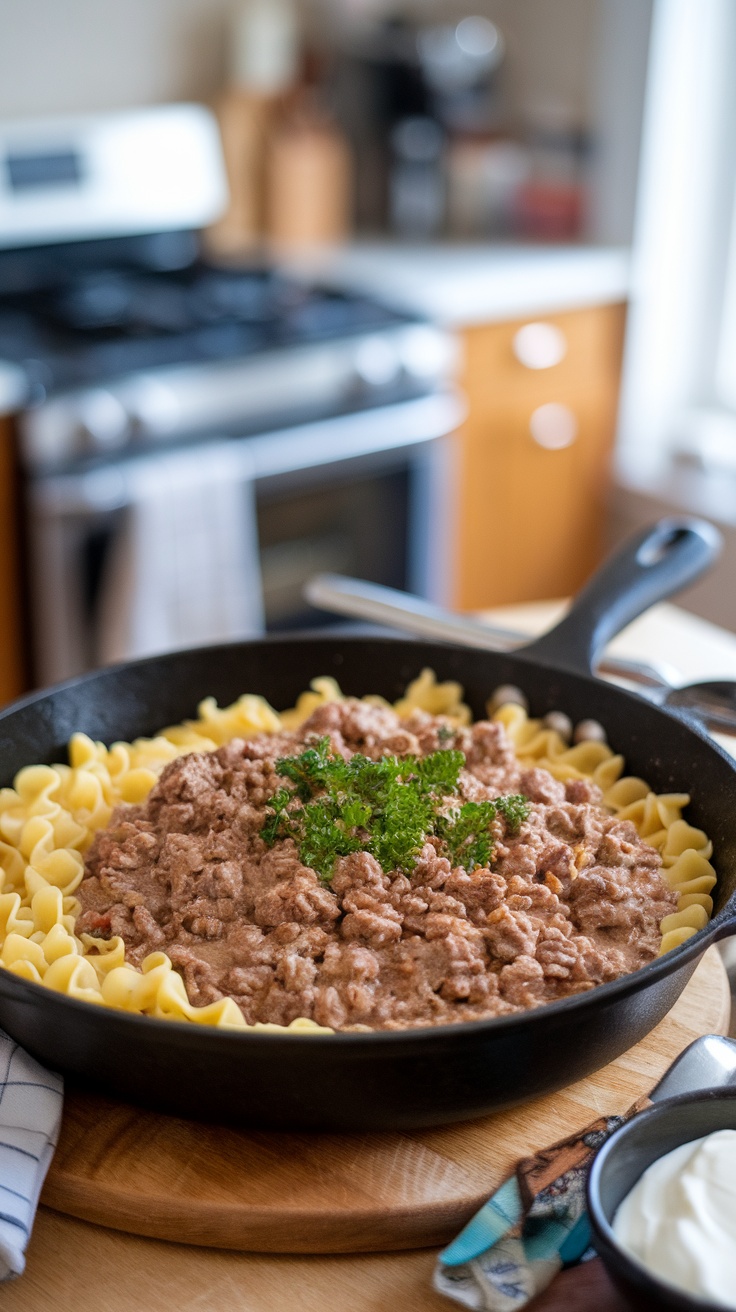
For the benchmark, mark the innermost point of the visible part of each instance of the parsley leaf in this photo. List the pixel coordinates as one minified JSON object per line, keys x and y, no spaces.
{"x":324,"y":838}
{"x":514,"y":809}
{"x":278,"y":823}
{"x":399,"y":831}
{"x":439,"y":772}
{"x":467,"y":835}
{"x":315,"y":768}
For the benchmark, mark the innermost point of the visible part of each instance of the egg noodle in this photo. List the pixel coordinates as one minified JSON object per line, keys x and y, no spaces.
{"x":50,"y":815}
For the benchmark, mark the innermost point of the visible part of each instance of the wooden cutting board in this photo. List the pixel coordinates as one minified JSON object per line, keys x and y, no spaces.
{"x":264,"y":1191}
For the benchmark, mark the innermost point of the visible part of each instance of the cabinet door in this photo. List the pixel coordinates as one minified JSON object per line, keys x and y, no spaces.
{"x":535,"y":455}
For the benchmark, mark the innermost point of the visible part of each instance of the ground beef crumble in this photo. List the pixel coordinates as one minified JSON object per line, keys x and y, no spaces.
{"x":571,"y":900}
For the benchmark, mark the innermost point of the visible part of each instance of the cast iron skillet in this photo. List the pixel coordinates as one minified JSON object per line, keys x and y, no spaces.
{"x":423,"y":1076}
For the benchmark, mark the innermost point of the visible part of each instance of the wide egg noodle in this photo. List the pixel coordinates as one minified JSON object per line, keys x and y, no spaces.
{"x":426,"y":694}
{"x":49,"y":817}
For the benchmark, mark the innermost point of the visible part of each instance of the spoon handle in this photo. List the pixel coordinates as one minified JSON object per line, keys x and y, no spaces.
{"x":380,"y":605}
{"x":714,"y":703}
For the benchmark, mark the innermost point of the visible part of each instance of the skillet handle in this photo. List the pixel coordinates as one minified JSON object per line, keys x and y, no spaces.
{"x":650,"y":566}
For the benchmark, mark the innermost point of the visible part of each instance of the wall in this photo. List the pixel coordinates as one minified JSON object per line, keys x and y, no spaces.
{"x":66,"y":55}
{"x":586,"y":58}
{"x":618,"y":93}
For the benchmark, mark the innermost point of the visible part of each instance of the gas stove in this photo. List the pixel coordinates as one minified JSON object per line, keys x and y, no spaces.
{"x":120,"y":332}
{"x":320,"y":355}
{"x":121,"y":344}
{"x":197,"y":437}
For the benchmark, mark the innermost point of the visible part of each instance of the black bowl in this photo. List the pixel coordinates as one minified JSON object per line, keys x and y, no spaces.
{"x":622,"y":1160}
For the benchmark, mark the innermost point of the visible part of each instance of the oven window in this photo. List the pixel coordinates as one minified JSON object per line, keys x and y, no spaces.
{"x":357,"y":528}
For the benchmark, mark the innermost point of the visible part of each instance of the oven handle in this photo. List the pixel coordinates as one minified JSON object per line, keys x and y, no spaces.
{"x":330,"y":441}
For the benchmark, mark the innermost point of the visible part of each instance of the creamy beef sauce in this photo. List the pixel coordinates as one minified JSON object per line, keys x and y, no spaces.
{"x":571,"y":900}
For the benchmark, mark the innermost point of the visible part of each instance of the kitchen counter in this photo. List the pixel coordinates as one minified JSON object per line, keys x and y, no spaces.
{"x":459,"y":285}
{"x":123,"y":1274}
{"x":650,"y":484}
{"x":666,"y":635}
{"x":484,"y":295}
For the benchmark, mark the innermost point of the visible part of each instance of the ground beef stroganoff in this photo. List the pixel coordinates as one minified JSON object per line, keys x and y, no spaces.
{"x":571,"y":898}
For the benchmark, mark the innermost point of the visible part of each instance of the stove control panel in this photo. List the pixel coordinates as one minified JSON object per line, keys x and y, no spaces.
{"x":243,"y":395}
{"x":109,"y":175}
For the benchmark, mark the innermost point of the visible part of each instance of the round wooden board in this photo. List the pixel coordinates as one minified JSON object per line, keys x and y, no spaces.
{"x":262,"y":1191}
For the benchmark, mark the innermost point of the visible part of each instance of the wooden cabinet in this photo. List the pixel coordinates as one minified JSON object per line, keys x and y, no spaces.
{"x":535,"y":454}
{"x":12,"y":666}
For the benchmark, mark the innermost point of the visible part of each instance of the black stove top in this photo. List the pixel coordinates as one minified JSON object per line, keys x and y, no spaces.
{"x":76,"y":315}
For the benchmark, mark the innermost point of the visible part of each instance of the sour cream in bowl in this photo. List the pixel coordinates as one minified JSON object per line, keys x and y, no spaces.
{"x":662,"y":1204}
{"x":679,"y":1220}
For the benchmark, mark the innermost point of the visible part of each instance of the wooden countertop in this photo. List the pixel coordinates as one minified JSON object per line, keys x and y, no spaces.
{"x":665,"y":634}
{"x":70,"y":1261}
{"x":131,"y":1273}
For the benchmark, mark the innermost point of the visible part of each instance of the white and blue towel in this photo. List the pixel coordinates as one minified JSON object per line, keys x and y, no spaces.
{"x":31,"y":1100}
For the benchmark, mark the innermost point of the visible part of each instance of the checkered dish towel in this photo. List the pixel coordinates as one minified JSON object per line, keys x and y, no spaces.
{"x":30,"y":1116}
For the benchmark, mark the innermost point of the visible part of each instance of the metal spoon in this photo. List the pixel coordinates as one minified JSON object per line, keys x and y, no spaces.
{"x":714,"y":703}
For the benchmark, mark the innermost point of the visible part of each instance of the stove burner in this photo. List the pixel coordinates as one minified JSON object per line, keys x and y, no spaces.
{"x":112,"y":301}
{"x":85,"y":321}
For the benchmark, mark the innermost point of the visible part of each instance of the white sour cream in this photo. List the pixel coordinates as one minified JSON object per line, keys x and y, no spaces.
{"x":679,"y":1220}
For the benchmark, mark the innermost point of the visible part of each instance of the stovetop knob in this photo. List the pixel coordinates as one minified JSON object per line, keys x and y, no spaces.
{"x":376,"y":361}
{"x":153,"y":408}
{"x":103,"y":422}
{"x":429,"y":353}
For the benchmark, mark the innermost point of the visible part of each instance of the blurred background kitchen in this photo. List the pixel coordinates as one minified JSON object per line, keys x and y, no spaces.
{"x":436,"y":293}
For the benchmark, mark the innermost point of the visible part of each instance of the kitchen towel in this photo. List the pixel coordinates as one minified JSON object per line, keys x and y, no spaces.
{"x":532,"y":1226}
{"x":184,"y":568}
{"x":31,"y":1101}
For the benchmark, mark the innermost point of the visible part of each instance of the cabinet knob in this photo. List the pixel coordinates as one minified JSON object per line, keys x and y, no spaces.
{"x":553,"y":426}
{"x":539,"y":345}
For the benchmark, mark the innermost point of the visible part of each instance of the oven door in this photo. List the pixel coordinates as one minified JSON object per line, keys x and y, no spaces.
{"x":214,"y":541}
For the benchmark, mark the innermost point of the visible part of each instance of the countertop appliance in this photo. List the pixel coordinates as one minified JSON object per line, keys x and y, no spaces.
{"x":197,"y":437}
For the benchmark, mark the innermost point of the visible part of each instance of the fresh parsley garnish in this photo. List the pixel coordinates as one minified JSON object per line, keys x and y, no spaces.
{"x":515,"y":810}
{"x":467,"y":833}
{"x":387,"y":807}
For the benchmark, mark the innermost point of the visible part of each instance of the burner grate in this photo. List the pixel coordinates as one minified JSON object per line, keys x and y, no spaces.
{"x":83,"y":323}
